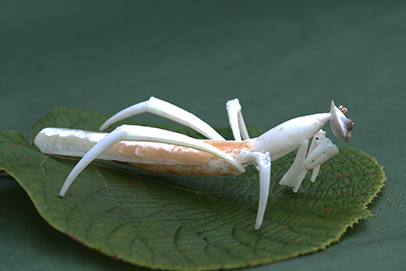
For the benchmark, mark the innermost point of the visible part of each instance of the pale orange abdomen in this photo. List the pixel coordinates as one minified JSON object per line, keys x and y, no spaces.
{"x":172,"y":159}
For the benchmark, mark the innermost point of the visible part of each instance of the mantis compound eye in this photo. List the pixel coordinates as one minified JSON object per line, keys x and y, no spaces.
{"x":343,"y":109}
{"x":340,"y":124}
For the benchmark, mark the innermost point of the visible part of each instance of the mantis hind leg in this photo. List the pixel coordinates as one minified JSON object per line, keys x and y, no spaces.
{"x":143,"y":133}
{"x":166,"y":110}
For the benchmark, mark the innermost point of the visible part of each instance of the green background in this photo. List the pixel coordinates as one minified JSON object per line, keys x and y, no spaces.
{"x":282,"y":59}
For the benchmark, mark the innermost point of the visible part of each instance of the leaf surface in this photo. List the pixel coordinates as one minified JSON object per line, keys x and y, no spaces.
{"x":189,"y":223}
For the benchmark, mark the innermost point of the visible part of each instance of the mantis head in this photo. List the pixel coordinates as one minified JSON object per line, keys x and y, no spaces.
{"x":340,"y":124}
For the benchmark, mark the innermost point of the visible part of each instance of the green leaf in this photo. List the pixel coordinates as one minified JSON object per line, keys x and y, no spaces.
{"x":189,"y":223}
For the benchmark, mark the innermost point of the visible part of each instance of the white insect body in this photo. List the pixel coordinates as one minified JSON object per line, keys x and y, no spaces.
{"x":167,"y":152}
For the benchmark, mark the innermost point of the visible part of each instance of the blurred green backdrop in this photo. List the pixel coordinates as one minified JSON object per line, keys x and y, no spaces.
{"x":280,"y":58}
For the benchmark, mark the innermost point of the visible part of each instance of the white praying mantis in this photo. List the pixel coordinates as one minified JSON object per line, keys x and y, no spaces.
{"x":162,"y":151}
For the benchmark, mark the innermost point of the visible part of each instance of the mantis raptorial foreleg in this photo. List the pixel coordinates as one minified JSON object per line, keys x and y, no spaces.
{"x":321,"y":149}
